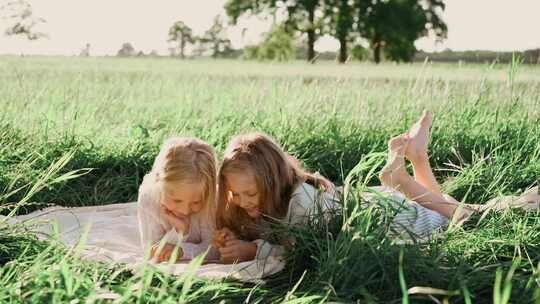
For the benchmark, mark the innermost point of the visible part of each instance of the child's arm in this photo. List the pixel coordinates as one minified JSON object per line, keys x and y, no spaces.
{"x":305,"y":203}
{"x":153,"y":233}
{"x":238,"y":251}
{"x":266,"y":249}
{"x":199,"y":240}
{"x":192,"y":250}
{"x":221,"y":237}
{"x":150,"y":225}
{"x":234,"y":250}
{"x":164,"y":254}
{"x":241,"y":251}
{"x":231,"y":249}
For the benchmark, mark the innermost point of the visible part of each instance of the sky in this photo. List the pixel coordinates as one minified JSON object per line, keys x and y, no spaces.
{"x":499,"y":25}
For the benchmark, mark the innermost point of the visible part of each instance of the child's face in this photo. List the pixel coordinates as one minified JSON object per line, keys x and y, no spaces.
{"x":243,"y":192}
{"x":183,"y":200}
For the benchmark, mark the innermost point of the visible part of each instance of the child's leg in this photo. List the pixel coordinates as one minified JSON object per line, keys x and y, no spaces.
{"x":423,"y":174}
{"x":394,"y":175}
{"x":417,"y":153}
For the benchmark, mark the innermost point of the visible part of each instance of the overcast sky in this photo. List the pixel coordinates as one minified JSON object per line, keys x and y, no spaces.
{"x":105,"y":24}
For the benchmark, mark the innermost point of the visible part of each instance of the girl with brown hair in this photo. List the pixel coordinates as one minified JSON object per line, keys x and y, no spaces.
{"x":258,"y":178}
{"x":258,"y":182}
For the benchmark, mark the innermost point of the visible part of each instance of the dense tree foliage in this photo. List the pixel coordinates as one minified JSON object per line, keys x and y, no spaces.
{"x":394,"y":25}
{"x":127,"y":50}
{"x":391,"y":26}
{"x":278,"y":45}
{"x":301,"y":16}
{"x":21,"y":19}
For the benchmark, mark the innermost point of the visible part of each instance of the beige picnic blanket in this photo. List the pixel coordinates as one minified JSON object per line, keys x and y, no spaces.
{"x":529,"y":201}
{"x":113,"y":235}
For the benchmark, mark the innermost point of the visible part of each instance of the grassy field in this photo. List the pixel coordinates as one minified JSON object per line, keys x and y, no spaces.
{"x":106,"y":118}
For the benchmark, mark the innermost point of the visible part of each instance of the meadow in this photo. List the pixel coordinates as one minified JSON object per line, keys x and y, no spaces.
{"x":84,"y":131}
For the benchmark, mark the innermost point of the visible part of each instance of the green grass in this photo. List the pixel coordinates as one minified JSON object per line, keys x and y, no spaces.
{"x":106,"y":117}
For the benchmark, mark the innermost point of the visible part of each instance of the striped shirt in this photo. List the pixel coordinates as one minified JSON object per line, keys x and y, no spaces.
{"x":411,"y":220}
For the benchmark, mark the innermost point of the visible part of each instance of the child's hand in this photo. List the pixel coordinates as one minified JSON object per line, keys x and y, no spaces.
{"x":165,"y":254}
{"x":238,"y":251}
{"x":180,"y":225}
{"x":222,"y":236}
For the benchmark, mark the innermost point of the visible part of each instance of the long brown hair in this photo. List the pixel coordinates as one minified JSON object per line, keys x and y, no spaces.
{"x":277,"y":174}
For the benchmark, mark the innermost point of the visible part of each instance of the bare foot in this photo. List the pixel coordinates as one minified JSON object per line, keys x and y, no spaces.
{"x":419,"y":138}
{"x":393,"y":174}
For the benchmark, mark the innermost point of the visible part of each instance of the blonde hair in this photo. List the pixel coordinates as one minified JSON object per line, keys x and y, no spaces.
{"x":277,"y":174}
{"x":188,"y":160}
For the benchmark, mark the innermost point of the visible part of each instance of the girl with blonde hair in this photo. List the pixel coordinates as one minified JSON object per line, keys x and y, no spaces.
{"x":176,"y":201}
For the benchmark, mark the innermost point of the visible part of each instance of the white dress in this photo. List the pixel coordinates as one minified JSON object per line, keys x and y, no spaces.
{"x":153,"y":228}
{"x":411,"y":219}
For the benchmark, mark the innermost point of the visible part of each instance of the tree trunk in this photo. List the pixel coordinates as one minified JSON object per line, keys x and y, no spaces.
{"x":216,"y":50}
{"x":377,"y":52}
{"x":342,"y":50}
{"x":182,"y":48}
{"x":311,"y":37}
{"x":343,"y":26}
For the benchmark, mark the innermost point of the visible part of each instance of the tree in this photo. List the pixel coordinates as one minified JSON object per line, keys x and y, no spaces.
{"x":127,"y":50}
{"x":359,"y":53}
{"x":181,"y":34}
{"x":277,"y":45}
{"x":301,"y":16}
{"x":340,"y":21}
{"x":85,"y":52}
{"x":21,"y":20}
{"x":216,"y":38}
{"x":396,"y":24}
{"x":400,"y":49}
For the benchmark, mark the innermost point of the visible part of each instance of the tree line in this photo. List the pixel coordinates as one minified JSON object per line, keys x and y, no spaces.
{"x":213,"y":42}
{"x":388,"y":27}
{"x":214,"y":39}
{"x":391,"y":26}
